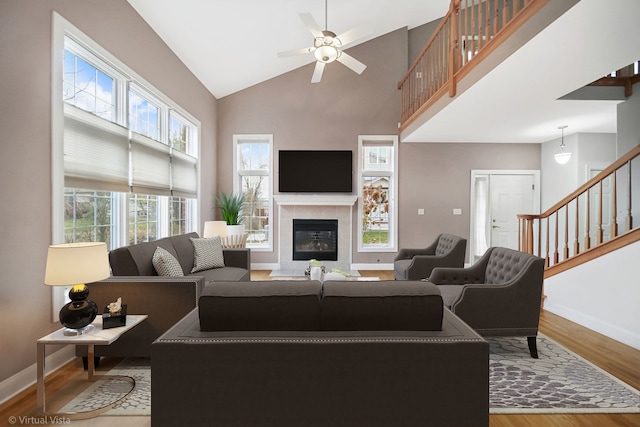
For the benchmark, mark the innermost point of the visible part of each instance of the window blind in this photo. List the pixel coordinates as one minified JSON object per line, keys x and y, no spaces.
{"x":96,"y":152}
{"x":102,"y":155}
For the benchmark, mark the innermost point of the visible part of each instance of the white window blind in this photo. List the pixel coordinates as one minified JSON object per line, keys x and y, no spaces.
{"x":96,"y":152}
{"x":150,"y":166}
{"x":184,"y":174}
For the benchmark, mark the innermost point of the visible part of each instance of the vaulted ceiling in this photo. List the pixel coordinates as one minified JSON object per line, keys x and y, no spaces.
{"x":231,"y":45}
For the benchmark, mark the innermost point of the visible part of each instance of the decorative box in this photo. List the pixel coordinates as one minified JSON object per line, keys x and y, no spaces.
{"x":114,"y":320}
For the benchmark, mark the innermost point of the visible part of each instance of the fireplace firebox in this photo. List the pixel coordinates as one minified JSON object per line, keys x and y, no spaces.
{"x":315,"y":239}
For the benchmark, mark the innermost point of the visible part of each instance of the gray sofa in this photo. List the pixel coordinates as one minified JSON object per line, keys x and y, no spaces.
{"x":447,"y":250}
{"x":500,"y":295}
{"x":165,"y":299}
{"x":136,"y":260}
{"x":300,"y":353}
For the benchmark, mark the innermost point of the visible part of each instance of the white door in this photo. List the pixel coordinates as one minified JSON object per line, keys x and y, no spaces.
{"x":510,"y":195}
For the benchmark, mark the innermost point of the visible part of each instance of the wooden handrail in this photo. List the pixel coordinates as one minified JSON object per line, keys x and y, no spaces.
{"x":580,"y":202}
{"x":470,"y":29}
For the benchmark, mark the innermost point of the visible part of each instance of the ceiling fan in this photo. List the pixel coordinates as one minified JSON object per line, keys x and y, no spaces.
{"x":327,"y":46}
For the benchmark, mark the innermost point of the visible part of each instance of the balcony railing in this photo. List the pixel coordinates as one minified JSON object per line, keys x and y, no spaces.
{"x":598,"y":214}
{"x":469,"y":30}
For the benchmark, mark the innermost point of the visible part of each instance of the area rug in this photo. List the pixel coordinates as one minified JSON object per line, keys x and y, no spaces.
{"x":559,"y":381}
{"x":104,"y":392}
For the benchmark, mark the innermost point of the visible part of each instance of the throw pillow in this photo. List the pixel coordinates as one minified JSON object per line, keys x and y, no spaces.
{"x":207,"y":253}
{"x":165,"y":263}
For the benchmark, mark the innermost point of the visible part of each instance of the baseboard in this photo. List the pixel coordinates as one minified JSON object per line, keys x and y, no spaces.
{"x":593,"y":323}
{"x":372,"y":266}
{"x":28,"y":376}
{"x":265,"y":266}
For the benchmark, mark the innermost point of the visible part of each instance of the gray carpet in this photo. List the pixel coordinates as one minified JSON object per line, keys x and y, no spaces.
{"x":558,"y":382}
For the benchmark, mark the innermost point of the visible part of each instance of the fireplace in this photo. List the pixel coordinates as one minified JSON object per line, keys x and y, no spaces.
{"x":315,"y":239}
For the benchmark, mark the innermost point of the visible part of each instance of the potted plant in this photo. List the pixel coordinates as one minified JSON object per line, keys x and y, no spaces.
{"x":231,"y":209}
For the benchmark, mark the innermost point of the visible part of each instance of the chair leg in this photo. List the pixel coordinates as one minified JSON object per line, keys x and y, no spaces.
{"x":533,"y":347}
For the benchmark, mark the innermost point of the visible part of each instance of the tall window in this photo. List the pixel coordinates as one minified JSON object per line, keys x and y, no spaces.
{"x":127,"y":154}
{"x":253,"y":178}
{"x":87,"y":216}
{"x":377,"y":165}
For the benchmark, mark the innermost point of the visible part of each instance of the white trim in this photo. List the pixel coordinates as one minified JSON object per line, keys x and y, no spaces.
{"x":27,"y":377}
{"x":375,"y":266}
{"x":393,"y":176}
{"x":267,"y":138}
{"x":314,"y":200}
{"x":472,"y":199}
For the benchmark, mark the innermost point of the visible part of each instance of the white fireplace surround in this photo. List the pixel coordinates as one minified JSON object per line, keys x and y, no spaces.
{"x":313,"y":206}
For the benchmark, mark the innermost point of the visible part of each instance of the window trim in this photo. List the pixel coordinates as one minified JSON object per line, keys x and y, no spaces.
{"x":239,"y":139}
{"x":387,"y":140}
{"x":105,"y":61}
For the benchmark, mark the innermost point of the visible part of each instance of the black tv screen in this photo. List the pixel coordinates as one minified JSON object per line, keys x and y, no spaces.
{"x":315,"y":171}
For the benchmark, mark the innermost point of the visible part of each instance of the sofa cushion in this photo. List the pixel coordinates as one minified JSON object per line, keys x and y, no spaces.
{"x":225,"y":274}
{"x":166,"y":264}
{"x":384,"y":306}
{"x":277,"y":305}
{"x":207,"y":254}
{"x":142,"y":255}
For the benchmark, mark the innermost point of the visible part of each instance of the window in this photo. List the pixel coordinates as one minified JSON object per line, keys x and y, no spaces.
{"x":253,"y":178}
{"x":144,"y":117}
{"x":125,"y":157}
{"x":377,"y":165}
{"x":143,"y":218}
{"x":87,"y":216}
{"x":87,"y":87}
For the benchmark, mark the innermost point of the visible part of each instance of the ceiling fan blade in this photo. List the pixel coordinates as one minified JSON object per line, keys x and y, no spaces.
{"x":351,"y":62}
{"x":294,"y":52}
{"x":317,"y":72}
{"x":355,"y":34}
{"x":311,"y":24}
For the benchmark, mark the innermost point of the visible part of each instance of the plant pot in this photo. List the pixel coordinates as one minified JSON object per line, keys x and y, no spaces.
{"x":235,"y":230}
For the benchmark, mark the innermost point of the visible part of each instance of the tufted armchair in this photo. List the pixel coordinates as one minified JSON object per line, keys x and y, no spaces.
{"x":497,"y":296}
{"x":416,"y":264}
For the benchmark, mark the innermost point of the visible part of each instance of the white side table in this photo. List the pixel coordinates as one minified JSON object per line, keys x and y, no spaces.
{"x":97,"y":336}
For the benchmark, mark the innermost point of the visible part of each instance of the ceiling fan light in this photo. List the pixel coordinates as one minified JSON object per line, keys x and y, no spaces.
{"x":326,"y":53}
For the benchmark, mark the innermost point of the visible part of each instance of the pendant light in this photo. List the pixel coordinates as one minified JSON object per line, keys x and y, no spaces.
{"x":562,"y":156}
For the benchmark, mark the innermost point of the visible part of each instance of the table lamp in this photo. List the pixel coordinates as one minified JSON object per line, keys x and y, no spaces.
{"x":215,"y":228}
{"x":77,"y":264}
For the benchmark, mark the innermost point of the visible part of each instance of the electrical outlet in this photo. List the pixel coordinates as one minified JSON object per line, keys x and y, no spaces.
{"x":457,"y":211}
{"x":420,"y":211}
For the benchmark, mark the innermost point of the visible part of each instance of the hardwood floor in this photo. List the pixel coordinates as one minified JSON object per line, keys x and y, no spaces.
{"x":618,"y":359}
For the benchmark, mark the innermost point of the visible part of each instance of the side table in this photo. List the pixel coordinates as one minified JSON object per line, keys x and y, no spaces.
{"x":97,"y":336}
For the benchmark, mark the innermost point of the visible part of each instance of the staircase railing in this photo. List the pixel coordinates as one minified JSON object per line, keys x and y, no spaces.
{"x":599,"y":213}
{"x":470,"y":29}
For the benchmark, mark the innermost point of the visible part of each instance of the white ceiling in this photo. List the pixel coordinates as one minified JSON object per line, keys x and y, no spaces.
{"x":230,"y":45}
{"x":518,"y":101}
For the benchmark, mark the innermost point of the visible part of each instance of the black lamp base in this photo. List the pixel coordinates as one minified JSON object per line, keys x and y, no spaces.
{"x":77,"y":315}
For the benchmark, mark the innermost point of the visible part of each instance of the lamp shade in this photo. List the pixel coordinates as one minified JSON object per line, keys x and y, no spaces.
{"x":76,"y":263}
{"x":215,"y":228}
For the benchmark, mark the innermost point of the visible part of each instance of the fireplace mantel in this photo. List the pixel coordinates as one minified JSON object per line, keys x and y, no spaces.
{"x":315,"y":200}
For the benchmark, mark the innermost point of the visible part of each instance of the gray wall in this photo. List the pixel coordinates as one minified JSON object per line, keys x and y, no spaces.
{"x":435,"y":177}
{"x":326,"y":115}
{"x":25,"y":164}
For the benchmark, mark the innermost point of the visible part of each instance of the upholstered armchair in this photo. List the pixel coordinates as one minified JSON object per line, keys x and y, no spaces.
{"x":416,"y":264}
{"x":499,"y":295}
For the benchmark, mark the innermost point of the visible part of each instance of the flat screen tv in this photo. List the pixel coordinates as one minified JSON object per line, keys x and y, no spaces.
{"x":315,"y":171}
